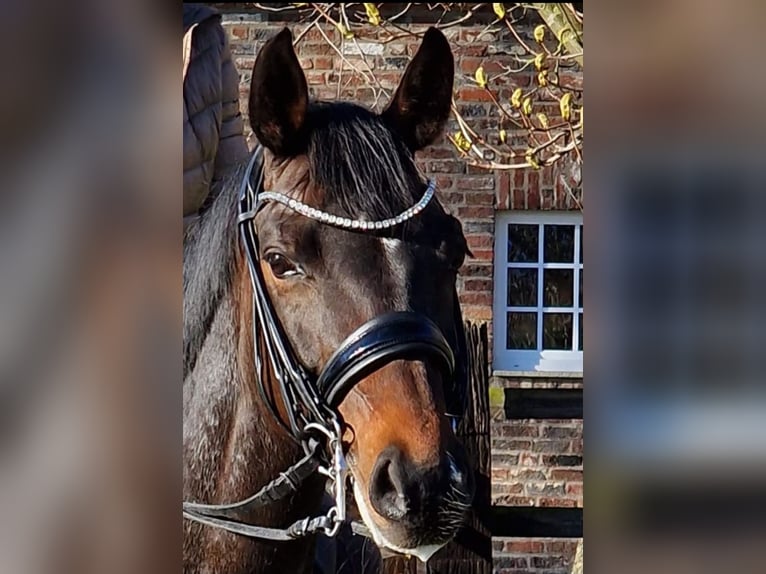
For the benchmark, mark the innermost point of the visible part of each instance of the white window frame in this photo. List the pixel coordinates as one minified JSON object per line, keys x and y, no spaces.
{"x":539,"y":362}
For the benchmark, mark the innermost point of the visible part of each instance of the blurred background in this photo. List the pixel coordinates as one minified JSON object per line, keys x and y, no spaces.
{"x":676,"y":403}
{"x":90,"y":315}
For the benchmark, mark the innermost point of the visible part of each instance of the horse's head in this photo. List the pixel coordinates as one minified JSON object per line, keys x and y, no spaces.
{"x":411,"y":479}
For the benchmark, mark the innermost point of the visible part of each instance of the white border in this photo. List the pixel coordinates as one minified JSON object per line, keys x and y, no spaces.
{"x":532,"y":361}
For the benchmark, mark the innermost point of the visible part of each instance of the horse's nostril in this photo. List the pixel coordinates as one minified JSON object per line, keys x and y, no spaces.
{"x":388,"y":485}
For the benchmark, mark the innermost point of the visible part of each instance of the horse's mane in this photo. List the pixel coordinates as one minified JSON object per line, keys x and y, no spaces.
{"x":354,"y":158}
{"x":362,"y":168}
{"x":209,"y":252}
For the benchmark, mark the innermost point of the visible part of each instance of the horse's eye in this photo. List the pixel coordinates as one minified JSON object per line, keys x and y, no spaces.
{"x":281,"y":266}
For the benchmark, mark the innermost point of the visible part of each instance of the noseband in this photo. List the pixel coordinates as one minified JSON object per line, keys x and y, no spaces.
{"x":311,"y":402}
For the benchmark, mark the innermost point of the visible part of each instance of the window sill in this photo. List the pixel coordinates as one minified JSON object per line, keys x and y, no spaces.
{"x":538,"y":374}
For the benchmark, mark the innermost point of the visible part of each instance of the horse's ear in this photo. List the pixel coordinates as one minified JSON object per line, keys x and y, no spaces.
{"x":421,"y":105}
{"x":278,"y":96}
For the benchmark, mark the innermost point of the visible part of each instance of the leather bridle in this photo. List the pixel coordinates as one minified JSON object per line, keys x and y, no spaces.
{"x":311,"y":402}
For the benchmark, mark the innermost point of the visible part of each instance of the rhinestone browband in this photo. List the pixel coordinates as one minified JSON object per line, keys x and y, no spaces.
{"x":345,"y":222}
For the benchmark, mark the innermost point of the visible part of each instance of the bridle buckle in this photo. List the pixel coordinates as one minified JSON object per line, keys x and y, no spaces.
{"x":336,"y":472}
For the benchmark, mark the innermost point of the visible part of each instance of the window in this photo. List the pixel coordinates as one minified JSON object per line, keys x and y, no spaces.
{"x":538,"y":311}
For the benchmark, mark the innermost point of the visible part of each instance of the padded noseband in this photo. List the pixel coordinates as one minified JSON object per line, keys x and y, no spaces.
{"x":386,"y":338}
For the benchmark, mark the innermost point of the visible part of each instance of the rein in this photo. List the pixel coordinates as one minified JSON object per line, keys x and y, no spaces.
{"x":311,"y":402}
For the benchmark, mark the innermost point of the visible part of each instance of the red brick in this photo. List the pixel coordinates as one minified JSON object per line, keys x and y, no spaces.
{"x":506,"y":444}
{"x":507,"y":488}
{"x":520,"y":429}
{"x":553,"y":446}
{"x":561,"y":546}
{"x":482,"y":298}
{"x":562,"y":460}
{"x":474,"y":94}
{"x":470,"y":50}
{"x":499,"y":474}
{"x":323,"y":63}
{"x":475,"y":212}
{"x":527,"y":459}
{"x":446,"y":166}
{"x":482,"y":254}
{"x":469,"y":65}
{"x":476,"y":170}
{"x":478,"y":285}
{"x":313,"y":35}
{"x":546,"y":199}
{"x":240,"y":32}
{"x":486,"y":183}
{"x":510,"y":563}
{"x":546,"y":175}
{"x":319,"y":49}
{"x":557,"y":503}
{"x":549,"y":563}
{"x":503,"y":190}
{"x":479,"y":313}
{"x":566,"y":474}
{"x":533,"y":200}
{"x":526,"y":474}
{"x":518,"y":199}
{"x":515,"y":500}
{"x":504,"y":459}
{"x":524,"y":546}
{"x":389,"y":80}
{"x":476,"y":269}
{"x":365,"y":96}
{"x":548,"y":489}
{"x":315,"y":78}
{"x":452,"y":198}
{"x":562,"y":431}
{"x":480,"y":242}
{"x":575,"y":489}
{"x":438,"y":153}
{"x":533,"y":181}
{"x":479,"y":198}
{"x":571,"y":81}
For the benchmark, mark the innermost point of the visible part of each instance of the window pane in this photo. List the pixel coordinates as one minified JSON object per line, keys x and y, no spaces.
{"x":580,"y":297}
{"x":581,"y":332}
{"x":522,"y":287}
{"x":557,"y":331}
{"x":558,"y":287}
{"x":558,"y":243}
{"x":522,"y":331}
{"x":522,"y":243}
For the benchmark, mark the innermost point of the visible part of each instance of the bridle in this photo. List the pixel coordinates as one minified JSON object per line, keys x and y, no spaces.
{"x":311,"y":402}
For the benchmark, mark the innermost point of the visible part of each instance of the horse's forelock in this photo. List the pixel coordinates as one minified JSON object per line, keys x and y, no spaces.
{"x":360,"y":165}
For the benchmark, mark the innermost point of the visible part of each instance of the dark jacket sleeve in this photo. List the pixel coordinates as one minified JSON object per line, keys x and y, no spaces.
{"x":213,"y":127}
{"x":232,"y":145}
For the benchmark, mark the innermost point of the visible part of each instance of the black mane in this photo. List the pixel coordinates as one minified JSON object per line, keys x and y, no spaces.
{"x":363,"y":169}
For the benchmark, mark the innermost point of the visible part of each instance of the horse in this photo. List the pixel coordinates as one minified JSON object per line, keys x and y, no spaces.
{"x":322,"y":329}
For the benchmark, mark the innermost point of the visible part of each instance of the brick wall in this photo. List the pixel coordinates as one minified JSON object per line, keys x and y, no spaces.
{"x":537,"y":463}
{"x":549,"y":555}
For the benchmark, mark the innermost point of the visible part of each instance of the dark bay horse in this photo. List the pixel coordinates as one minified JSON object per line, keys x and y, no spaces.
{"x":320,"y":286}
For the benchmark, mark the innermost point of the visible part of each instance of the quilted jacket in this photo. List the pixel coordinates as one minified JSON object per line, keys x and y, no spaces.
{"x":213,"y":127}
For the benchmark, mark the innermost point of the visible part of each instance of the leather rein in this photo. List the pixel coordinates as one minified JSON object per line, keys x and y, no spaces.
{"x":311,"y":402}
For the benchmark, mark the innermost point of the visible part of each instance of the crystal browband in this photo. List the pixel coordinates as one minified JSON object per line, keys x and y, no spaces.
{"x":345,"y":222}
